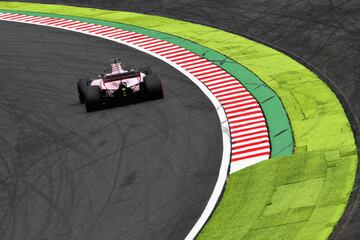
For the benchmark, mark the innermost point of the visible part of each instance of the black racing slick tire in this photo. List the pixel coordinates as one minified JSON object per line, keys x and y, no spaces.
{"x":146,"y":70}
{"x":153,"y":86}
{"x":81,"y":84}
{"x":92,"y":98}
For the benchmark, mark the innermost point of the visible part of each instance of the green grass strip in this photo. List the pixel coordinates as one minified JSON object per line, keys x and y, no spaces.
{"x":296,"y":197}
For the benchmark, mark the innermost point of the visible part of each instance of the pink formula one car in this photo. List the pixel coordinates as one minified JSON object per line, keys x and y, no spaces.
{"x":120,"y":86}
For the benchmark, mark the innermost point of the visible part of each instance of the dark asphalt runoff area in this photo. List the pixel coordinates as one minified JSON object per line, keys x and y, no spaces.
{"x":142,"y":171}
{"x":324,"y":35}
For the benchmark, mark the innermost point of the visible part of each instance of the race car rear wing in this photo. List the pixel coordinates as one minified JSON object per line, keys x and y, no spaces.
{"x":120,"y":76}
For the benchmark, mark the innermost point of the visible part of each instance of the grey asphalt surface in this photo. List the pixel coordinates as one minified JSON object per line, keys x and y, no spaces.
{"x":324,"y":35}
{"x":142,"y":171}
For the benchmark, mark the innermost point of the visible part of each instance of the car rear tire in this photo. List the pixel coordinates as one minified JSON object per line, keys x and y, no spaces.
{"x":81,"y":84}
{"x":153,"y":86}
{"x":92,"y":98}
{"x":146,"y":70}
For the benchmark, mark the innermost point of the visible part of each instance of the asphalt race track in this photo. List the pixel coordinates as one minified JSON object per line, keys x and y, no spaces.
{"x":142,"y":171}
{"x":323,"y":35}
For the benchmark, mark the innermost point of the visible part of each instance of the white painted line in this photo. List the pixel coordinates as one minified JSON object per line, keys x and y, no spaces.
{"x":118,"y":31}
{"x":259,"y":115}
{"x":116,"y":34}
{"x":243,"y":127}
{"x":87,"y":29}
{"x":264,"y":138}
{"x":212,"y":73}
{"x":25,"y":18}
{"x":64,"y":23}
{"x":199,"y":66}
{"x":210,"y":78}
{"x":250,"y":153}
{"x":5,"y":15}
{"x":181,"y":56}
{"x":253,"y":146}
{"x":247,"y":126}
{"x":232,"y":96}
{"x":247,"y":137}
{"x":12,"y":16}
{"x":211,"y":69}
{"x":156,"y":44}
{"x":234,"y":106}
{"x":110,"y":29}
{"x":129,"y":36}
{"x":143,"y":40}
{"x":95,"y":30}
{"x":230,"y":89}
{"x":192,"y":62}
{"x":140,"y":38}
{"x":167,"y":50}
{"x":241,"y":164}
{"x":174,"y":52}
{"x":249,"y":131}
{"x":225,"y":84}
{"x":231,"y":101}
